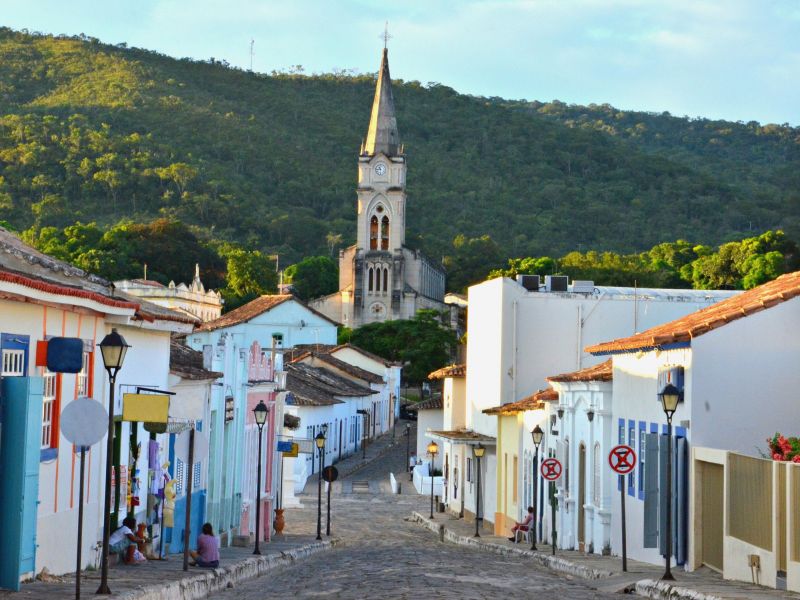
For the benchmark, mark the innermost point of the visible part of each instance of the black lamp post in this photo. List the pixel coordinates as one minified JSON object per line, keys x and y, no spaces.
{"x":322,"y":469}
{"x":669,"y":397}
{"x":113,"y":348}
{"x":408,"y":451}
{"x":479,"y":451}
{"x":260,"y":411}
{"x":433,"y":448}
{"x":537,"y":434}
{"x":320,"y":440}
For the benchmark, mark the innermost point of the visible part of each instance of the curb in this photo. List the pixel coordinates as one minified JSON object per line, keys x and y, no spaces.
{"x":551,"y":562}
{"x":658,"y":590}
{"x":203,"y":584}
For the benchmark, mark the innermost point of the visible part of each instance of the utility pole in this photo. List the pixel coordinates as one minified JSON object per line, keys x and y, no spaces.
{"x":252,"y":53}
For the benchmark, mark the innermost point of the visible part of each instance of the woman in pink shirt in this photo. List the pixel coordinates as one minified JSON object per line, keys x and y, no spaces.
{"x":207,"y":554}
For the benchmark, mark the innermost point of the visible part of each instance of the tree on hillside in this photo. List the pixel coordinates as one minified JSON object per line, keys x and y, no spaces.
{"x":470,"y":259}
{"x":422,"y":344}
{"x":250,"y":275}
{"x":313,"y":277}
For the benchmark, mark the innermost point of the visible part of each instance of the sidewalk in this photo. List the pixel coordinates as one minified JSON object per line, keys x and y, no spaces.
{"x":605,"y":572}
{"x":166,"y":580}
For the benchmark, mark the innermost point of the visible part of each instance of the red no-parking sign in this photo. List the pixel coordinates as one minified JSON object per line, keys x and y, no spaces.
{"x":622,"y":459}
{"x":551,"y":469}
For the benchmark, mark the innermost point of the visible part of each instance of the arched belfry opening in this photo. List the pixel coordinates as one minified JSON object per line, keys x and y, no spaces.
{"x":385,"y":233}
{"x":373,"y":233}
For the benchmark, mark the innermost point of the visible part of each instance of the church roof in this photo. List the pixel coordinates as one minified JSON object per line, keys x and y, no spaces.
{"x":382,"y":135}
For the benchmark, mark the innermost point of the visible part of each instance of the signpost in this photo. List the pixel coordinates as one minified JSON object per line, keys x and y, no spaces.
{"x":83,"y":423}
{"x":622,"y":460}
{"x":551,"y":470}
{"x":329,"y":474}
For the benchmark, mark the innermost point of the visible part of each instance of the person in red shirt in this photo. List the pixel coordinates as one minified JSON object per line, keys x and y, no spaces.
{"x":524,"y":526}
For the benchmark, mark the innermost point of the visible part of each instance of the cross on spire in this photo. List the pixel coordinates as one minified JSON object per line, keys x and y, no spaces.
{"x":385,"y":35}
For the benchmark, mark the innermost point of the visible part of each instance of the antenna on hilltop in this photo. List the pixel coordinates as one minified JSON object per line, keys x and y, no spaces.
{"x":252,"y":53}
{"x":385,"y":35}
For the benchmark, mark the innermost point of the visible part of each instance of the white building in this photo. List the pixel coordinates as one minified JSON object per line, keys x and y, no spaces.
{"x":518,"y":337}
{"x":736,"y":365}
{"x":587,"y":488}
{"x":192,"y":299}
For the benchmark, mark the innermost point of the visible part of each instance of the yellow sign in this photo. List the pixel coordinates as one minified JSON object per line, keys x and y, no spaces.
{"x":293,"y":453}
{"x":145,"y":408}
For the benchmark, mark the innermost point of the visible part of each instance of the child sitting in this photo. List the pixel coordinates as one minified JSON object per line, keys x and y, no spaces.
{"x":123,"y":542}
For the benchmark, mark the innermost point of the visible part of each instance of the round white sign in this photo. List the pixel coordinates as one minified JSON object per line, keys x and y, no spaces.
{"x":84,"y":422}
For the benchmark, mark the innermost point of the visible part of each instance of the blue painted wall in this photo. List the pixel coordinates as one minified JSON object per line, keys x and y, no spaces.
{"x":198,"y":517}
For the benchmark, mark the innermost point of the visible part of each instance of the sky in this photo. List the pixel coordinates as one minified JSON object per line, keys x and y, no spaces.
{"x":730,"y":59}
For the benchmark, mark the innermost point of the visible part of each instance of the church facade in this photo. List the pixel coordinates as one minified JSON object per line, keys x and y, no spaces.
{"x":381,"y":279}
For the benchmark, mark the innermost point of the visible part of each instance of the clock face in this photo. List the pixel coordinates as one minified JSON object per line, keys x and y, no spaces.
{"x":380,"y":169}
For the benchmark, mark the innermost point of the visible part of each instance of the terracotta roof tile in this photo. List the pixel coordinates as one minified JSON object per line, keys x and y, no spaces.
{"x":533,"y":402}
{"x":366,"y":353}
{"x":463,"y":435}
{"x":188,"y":363}
{"x":601,"y":372}
{"x":449,"y":371}
{"x":707,"y":319}
{"x":353,"y":370}
{"x":246,"y":312}
{"x":429,"y":404}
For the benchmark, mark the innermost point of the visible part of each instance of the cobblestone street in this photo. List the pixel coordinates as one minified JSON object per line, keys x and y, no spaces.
{"x":384,"y":556}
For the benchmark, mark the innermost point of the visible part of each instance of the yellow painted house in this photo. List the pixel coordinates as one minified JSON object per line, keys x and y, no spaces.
{"x":515,"y":456}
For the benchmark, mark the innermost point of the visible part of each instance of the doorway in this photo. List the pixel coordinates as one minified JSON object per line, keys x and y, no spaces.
{"x":581,"y":497}
{"x":712,"y":478}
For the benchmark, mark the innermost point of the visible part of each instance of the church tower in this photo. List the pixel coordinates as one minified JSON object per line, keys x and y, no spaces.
{"x":381,"y":279}
{"x":381,"y":208}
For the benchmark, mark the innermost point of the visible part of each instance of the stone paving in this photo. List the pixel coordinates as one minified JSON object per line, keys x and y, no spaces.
{"x":383,"y":554}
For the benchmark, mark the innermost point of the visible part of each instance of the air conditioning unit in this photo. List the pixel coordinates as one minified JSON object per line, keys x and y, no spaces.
{"x":556,"y":283}
{"x":529,"y":282}
{"x":582,"y":286}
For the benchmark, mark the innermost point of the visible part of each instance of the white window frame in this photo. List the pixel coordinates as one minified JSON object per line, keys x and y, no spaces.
{"x":13,"y":363}
{"x":49,"y":397}
{"x":83,"y":375}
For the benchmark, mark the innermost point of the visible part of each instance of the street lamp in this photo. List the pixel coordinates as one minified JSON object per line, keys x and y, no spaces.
{"x":479,"y":451}
{"x":433,"y":448}
{"x":322,"y":470}
{"x":113,"y":348}
{"x":537,"y":434}
{"x":408,"y":451}
{"x":669,"y":397}
{"x":320,"y":440}
{"x":260,"y":411}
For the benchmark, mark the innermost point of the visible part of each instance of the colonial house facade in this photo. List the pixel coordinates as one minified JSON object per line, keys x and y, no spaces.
{"x":193,"y":299}
{"x":735,"y":365}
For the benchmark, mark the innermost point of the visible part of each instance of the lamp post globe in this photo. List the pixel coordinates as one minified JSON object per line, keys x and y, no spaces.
{"x":260,"y":413}
{"x":669,"y":396}
{"x":537,"y":434}
{"x":320,"y":441}
{"x":433,"y":449}
{"x":113,"y":348}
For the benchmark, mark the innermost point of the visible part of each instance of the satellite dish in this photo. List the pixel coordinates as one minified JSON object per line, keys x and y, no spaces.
{"x":84,"y":422}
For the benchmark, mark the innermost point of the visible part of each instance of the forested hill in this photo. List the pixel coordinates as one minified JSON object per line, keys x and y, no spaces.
{"x":92,"y":132}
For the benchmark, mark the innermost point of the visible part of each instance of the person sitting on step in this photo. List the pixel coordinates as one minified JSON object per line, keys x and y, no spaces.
{"x":207,"y":554}
{"x":524,"y":526}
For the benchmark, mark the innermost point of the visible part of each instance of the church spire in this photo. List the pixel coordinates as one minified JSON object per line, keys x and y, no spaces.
{"x":382,"y":134}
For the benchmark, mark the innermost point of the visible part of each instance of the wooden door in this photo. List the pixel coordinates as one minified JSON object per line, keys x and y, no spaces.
{"x":711,"y":514}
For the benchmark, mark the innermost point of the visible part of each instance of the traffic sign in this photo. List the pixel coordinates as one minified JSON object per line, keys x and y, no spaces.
{"x":551,"y":469}
{"x":622,"y":459}
{"x":330,"y":474}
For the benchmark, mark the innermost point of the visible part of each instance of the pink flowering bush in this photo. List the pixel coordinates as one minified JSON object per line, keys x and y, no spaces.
{"x":784,"y":449}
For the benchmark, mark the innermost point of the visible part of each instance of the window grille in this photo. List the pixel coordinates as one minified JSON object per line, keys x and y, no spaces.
{"x":48,"y":406}
{"x":196,"y":476}
{"x":83,"y":375}
{"x":179,"y":476}
{"x":13,"y":363}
